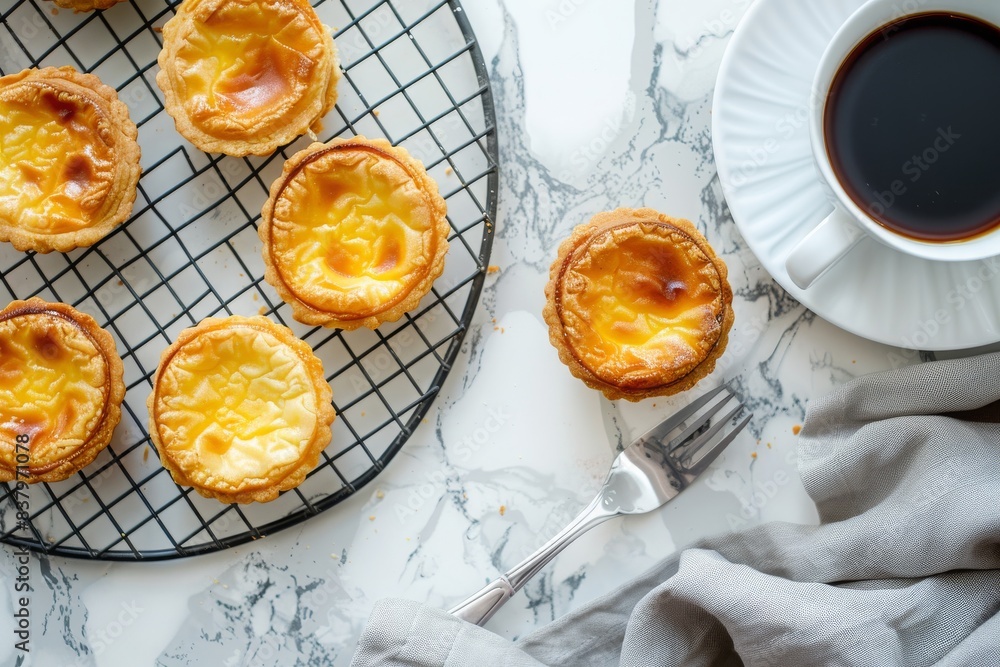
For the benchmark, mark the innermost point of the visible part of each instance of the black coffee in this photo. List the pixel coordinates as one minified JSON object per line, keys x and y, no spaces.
{"x":912,"y":126}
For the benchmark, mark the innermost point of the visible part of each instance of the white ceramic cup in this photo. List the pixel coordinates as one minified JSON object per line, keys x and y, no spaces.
{"x":831,"y":240}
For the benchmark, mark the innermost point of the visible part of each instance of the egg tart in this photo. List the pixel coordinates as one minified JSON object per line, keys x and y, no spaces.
{"x":242,"y":77}
{"x":638,"y":304}
{"x":69,"y":160}
{"x":61,"y":391}
{"x":240,"y":409}
{"x":354,"y":233}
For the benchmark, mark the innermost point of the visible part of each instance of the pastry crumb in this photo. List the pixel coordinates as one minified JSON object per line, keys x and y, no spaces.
{"x":145,"y":454}
{"x":753,"y":455}
{"x":371,"y":518}
{"x":376,"y":113}
{"x":256,"y":297}
{"x":797,"y":429}
{"x":262,"y":310}
{"x":492,"y":268}
{"x":157,"y":28}
{"x":503,"y":510}
{"x":448,"y":171}
{"x":380,"y":494}
{"x":769,"y":445}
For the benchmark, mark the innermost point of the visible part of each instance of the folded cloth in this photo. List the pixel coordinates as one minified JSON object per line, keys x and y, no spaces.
{"x":904,"y":568}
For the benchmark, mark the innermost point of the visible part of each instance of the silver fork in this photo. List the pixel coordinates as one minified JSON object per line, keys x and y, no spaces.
{"x":646,"y":475}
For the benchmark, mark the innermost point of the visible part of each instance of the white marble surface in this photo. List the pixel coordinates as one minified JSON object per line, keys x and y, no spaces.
{"x":601,"y":103}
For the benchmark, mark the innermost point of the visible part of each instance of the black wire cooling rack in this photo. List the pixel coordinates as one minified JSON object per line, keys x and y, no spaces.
{"x":414,"y":74}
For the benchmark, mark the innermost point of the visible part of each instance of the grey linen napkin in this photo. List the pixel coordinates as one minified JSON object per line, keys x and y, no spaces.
{"x":904,"y":568}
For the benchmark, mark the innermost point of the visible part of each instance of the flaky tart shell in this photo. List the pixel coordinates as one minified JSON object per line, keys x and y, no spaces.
{"x":69,"y":160}
{"x":243,"y":77}
{"x":240,"y":409}
{"x":354,"y":233}
{"x":638,"y":304}
{"x":61,"y":388}
{"x":86,"y":5}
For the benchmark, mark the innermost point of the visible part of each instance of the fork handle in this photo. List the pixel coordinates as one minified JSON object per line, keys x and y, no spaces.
{"x":481,"y":606}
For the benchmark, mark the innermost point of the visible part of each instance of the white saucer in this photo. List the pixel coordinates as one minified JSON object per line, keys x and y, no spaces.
{"x":761,"y":140}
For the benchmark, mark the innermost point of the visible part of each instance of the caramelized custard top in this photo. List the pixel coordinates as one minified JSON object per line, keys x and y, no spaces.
{"x":641,"y":304}
{"x":247,"y":64}
{"x":352,"y":231}
{"x":56,"y":158}
{"x":236,"y":407}
{"x":54,"y":386}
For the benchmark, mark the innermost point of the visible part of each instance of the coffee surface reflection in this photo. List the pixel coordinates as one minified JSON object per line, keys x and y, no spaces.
{"x":912,"y":126}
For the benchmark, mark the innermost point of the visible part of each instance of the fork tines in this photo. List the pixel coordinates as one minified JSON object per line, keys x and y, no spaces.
{"x":689,"y":440}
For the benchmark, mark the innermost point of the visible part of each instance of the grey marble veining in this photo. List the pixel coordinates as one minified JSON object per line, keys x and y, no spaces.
{"x":514,"y":446}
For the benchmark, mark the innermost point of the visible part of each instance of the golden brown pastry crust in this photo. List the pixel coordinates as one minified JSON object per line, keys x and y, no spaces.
{"x":69,"y":164}
{"x":240,"y":409}
{"x":61,"y":385}
{"x":243,"y":77}
{"x":86,"y":5}
{"x":354,"y":233}
{"x":638,"y":304}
